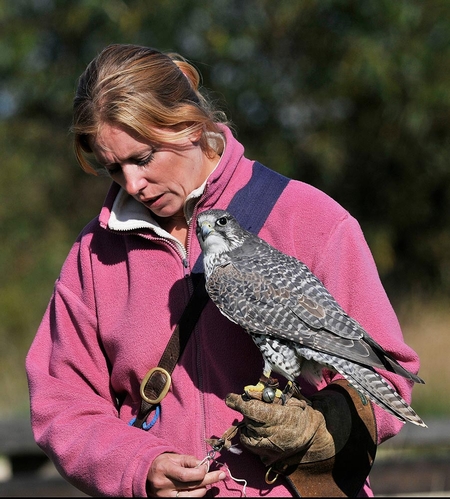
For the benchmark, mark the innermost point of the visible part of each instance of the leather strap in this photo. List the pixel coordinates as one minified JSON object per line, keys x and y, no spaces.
{"x":157,"y":382}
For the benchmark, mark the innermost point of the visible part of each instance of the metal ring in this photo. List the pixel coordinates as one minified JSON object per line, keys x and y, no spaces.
{"x":266,"y":478}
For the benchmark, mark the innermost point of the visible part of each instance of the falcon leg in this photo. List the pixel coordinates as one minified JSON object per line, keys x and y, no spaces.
{"x":266,"y":388}
{"x":293,"y":390}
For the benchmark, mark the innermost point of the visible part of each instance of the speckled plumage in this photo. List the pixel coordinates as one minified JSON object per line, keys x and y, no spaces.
{"x":295,"y":322}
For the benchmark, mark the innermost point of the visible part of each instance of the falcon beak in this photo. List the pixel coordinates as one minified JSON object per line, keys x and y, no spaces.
{"x":205,"y":229}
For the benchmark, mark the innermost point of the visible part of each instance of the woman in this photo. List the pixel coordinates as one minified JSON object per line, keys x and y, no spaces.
{"x":139,"y":114}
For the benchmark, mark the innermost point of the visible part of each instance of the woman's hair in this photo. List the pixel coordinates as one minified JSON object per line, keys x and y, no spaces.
{"x":140,"y":88}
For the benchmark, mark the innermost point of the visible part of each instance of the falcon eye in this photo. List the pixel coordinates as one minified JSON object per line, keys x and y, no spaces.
{"x":222,"y":221}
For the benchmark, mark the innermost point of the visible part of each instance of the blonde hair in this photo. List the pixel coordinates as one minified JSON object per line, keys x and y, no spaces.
{"x":136,"y":88}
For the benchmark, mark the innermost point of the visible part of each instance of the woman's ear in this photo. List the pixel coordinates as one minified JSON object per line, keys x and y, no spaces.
{"x":196,"y":135}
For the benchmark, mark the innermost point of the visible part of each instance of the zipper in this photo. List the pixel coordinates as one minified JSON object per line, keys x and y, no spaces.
{"x":197,"y":337}
{"x":173,"y":243}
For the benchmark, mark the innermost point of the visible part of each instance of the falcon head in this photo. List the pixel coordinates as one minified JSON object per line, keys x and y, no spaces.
{"x":218,"y":232}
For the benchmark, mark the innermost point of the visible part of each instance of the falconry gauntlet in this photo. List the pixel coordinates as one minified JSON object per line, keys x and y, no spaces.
{"x":324,"y":447}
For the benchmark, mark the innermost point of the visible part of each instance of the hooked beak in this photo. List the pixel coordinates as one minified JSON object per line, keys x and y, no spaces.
{"x":205,"y":229}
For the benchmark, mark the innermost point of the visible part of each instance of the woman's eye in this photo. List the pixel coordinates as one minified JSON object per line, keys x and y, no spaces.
{"x":145,"y":161}
{"x":222,"y":221}
{"x":113,"y":170}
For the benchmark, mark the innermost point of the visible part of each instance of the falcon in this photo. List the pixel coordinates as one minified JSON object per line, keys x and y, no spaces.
{"x":295,"y":322}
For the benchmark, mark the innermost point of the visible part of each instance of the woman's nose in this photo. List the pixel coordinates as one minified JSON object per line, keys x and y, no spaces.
{"x":134,"y":181}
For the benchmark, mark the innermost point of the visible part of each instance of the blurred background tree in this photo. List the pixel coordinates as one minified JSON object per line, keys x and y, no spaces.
{"x":350,"y":96}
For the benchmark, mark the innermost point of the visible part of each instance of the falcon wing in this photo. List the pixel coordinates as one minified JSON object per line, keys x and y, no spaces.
{"x":270,"y":293}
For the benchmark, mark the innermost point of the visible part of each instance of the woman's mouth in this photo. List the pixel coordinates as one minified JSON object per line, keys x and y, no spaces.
{"x":151,"y":201}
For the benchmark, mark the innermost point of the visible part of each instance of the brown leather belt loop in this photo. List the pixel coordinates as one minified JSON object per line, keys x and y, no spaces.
{"x":156,"y":383}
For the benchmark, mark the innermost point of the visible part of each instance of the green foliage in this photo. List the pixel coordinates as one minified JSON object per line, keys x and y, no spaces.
{"x":349,"y":96}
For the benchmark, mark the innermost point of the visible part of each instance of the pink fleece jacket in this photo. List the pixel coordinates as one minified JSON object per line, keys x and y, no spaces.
{"x":119,"y":296}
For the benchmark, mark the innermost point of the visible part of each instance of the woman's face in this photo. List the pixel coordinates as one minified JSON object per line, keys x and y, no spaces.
{"x":158,"y":176}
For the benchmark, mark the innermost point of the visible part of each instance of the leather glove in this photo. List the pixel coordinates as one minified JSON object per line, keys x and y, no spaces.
{"x":275,"y":432}
{"x":324,"y":447}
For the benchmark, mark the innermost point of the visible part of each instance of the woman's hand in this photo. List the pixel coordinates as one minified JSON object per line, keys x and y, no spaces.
{"x":177,"y":475}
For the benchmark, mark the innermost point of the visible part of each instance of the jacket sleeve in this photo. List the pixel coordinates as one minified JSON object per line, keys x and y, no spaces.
{"x":74,"y":415}
{"x":348,"y":270}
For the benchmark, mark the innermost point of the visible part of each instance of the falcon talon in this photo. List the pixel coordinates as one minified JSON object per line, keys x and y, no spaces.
{"x":290,"y":390}
{"x":268,"y":394}
{"x":288,"y":387}
{"x":259,"y":387}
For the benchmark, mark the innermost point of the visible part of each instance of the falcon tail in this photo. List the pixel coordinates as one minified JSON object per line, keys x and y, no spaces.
{"x":390,"y":363}
{"x":373,"y":386}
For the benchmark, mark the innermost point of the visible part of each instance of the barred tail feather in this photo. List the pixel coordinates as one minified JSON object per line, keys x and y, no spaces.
{"x":390,"y":363}
{"x":373,"y":386}
{"x":368,"y":382}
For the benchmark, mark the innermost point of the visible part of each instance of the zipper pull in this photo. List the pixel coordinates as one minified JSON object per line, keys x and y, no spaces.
{"x":186,"y":267}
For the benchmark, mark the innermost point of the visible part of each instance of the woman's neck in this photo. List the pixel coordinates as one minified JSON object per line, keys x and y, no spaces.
{"x":175,"y":226}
